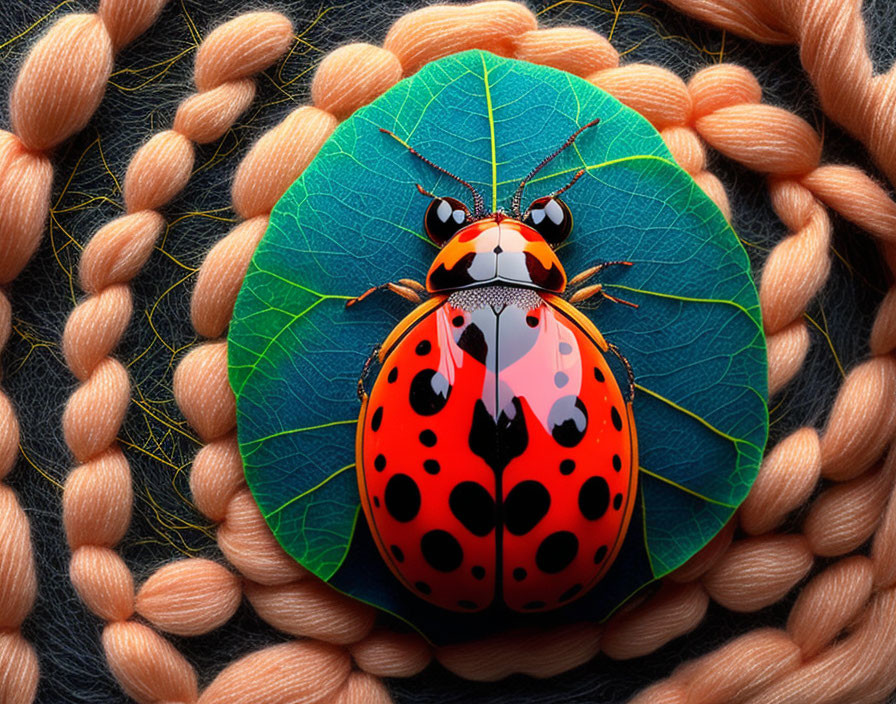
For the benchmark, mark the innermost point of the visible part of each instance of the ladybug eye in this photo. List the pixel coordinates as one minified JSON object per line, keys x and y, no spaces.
{"x":444,"y":217}
{"x":550,"y":218}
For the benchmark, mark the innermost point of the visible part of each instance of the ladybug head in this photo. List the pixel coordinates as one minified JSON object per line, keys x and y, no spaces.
{"x":480,"y":248}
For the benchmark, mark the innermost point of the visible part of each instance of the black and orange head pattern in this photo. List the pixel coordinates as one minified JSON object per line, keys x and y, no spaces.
{"x":496,"y":250}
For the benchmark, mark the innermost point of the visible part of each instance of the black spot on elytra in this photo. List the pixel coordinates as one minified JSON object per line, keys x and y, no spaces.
{"x":560,"y":380}
{"x":600,"y":554}
{"x":565,"y":348}
{"x":617,"y":463}
{"x":526,"y":504}
{"x":429,"y":392}
{"x":532,"y":605}
{"x":402,"y":498}
{"x":466,"y":604}
{"x":474,"y":507}
{"x":428,"y":438}
{"x":617,"y":501}
{"x":570,"y":593}
{"x":519,"y":574}
{"x":594,"y":498}
{"x":423,"y":588}
{"x":472,"y":341}
{"x":441,"y":550}
{"x":379,"y":463}
{"x":393,"y":375}
{"x":377,"y":419}
{"x":567,"y":467}
{"x":556,"y":552}
{"x":617,"y":420}
{"x":424,"y":347}
{"x":457,"y":321}
{"x":376,"y":501}
{"x":498,"y":442}
{"x":431,"y":466}
{"x":478,"y":572}
{"x":531,"y":321}
{"x":399,"y":555}
{"x":568,"y":420}
{"x":598,"y":374}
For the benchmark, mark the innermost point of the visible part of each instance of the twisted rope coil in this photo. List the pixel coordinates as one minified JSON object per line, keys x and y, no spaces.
{"x":278,"y":588}
{"x":51,"y":100}
{"x":98,"y":493}
{"x":832,"y":41}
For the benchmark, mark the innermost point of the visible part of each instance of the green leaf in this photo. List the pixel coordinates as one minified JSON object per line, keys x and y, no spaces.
{"x":354,"y":220}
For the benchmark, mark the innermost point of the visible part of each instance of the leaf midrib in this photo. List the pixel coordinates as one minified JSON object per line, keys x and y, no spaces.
{"x":491,"y":128}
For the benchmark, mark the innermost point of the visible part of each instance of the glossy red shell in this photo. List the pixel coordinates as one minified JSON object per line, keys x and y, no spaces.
{"x":496,"y":455}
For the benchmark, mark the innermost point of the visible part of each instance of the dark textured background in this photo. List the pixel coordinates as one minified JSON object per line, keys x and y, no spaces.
{"x":150,"y":78}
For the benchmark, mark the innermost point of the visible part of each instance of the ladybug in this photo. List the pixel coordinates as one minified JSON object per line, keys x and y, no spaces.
{"x":496,"y":454}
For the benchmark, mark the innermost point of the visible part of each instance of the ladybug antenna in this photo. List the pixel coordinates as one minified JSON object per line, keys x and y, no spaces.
{"x":478,"y":202}
{"x":579,"y":174}
{"x":518,"y":196}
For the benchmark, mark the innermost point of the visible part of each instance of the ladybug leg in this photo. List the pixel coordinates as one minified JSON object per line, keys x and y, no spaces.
{"x":628,"y":370}
{"x":365,"y":370}
{"x":583,"y":276}
{"x":584,"y":294}
{"x":406,"y":288}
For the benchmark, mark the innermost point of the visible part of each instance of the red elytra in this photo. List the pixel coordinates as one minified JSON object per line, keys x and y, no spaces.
{"x":496,"y":454}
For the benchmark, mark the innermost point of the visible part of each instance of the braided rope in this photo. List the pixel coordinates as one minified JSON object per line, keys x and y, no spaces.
{"x":748,"y":575}
{"x":833,"y":50}
{"x":98,"y":493}
{"x":50,"y":102}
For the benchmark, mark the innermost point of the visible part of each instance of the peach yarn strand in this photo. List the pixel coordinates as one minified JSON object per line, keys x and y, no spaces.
{"x":58,"y":88}
{"x":833,"y":49}
{"x":98,"y":493}
{"x":49,"y":103}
